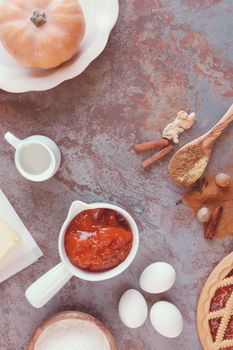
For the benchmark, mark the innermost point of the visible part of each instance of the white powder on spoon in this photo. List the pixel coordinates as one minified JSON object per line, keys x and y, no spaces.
{"x":73,"y":334}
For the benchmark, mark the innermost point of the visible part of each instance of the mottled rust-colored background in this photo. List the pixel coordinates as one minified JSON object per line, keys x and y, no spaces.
{"x":163,"y":56}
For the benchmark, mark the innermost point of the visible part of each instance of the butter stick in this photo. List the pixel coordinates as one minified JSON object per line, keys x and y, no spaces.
{"x":8,"y":239}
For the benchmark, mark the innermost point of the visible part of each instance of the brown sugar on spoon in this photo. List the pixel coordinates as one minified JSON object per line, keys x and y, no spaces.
{"x":190,"y":162}
{"x":190,"y":165}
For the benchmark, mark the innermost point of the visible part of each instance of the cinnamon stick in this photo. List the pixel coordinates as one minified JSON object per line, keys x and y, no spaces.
{"x":147,"y":146}
{"x":211,"y":226}
{"x":157,"y":156}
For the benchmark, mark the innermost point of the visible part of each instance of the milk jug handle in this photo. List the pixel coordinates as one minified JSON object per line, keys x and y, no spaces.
{"x":12,"y":140}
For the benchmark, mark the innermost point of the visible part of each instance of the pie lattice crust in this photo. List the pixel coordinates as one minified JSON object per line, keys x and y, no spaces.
{"x":215,"y":308}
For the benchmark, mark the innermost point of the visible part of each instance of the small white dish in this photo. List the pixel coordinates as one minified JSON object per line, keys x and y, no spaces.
{"x":100,"y":16}
{"x":37,"y":158}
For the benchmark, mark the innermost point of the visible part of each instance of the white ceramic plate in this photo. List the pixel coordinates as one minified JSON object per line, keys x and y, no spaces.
{"x":100,"y":15}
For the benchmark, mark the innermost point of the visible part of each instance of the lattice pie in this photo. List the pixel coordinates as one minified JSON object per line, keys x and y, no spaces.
{"x":215,"y":308}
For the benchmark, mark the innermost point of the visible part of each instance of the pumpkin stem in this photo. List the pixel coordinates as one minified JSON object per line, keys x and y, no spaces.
{"x":38,"y":18}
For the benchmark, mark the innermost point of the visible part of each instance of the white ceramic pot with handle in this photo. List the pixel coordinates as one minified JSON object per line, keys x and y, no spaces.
{"x":37,"y":158}
{"x":41,"y":291}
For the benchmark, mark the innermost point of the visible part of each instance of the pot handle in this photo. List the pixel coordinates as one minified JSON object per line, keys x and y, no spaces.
{"x":12,"y":139}
{"x":48,"y":285}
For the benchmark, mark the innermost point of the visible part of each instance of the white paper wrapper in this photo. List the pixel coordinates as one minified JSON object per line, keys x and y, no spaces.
{"x":23,"y":254}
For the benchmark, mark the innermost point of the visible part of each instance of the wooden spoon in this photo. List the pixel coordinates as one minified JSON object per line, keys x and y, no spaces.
{"x":190,"y":162}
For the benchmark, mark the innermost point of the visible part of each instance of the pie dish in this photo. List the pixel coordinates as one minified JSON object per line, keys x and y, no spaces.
{"x":100,"y":16}
{"x":215,"y":308}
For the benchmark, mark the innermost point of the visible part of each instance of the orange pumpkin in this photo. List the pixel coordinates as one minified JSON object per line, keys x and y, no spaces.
{"x":41,"y":33}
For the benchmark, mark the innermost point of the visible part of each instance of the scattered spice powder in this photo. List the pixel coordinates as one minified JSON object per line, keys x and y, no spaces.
{"x":189,"y":165}
{"x":211,"y":196}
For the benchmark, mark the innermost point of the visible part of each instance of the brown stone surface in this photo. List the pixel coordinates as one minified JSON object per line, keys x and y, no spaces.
{"x":162,"y":56}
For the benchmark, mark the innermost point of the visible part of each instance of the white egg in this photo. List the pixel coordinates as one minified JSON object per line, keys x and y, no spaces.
{"x":133,"y":309}
{"x":166,"y":319}
{"x":157,"y":278}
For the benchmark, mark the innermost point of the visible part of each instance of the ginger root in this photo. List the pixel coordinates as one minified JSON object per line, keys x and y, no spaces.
{"x":183,"y":121}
